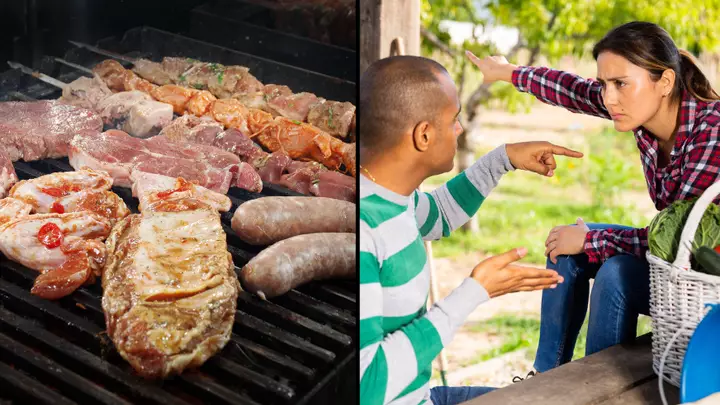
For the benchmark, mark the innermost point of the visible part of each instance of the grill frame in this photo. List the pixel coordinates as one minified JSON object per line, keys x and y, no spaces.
{"x":298,"y":348}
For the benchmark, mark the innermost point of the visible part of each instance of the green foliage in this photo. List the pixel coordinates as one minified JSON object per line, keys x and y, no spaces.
{"x":557,"y":28}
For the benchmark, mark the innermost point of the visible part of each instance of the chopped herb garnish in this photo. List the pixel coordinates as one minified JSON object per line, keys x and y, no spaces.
{"x":296,"y":122}
{"x":213,"y":67}
{"x":316,"y":181}
{"x":198,"y":86}
{"x":191,"y":60}
{"x":265,"y":97}
{"x":220,"y":77}
{"x":330,"y":118}
{"x":291,"y":105}
{"x":182,"y":77}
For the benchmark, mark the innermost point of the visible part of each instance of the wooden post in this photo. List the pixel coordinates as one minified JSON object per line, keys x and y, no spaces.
{"x":384,"y":20}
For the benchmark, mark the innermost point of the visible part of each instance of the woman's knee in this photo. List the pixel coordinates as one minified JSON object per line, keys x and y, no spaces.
{"x":566,"y":266}
{"x":619,"y":273}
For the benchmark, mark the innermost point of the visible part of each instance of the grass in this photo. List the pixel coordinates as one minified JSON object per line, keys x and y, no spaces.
{"x":524,"y":207}
{"x":524,"y":333}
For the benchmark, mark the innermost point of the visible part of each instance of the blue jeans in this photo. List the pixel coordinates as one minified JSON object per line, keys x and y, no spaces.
{"x":620,"y":293}
{"x":444,"y":395}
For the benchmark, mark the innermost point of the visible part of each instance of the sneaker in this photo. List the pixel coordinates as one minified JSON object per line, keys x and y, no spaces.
{"x":517,"y":378}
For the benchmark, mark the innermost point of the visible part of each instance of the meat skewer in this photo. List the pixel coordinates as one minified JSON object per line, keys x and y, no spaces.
{"x":299,"y":140}
{"x":334,"y":117}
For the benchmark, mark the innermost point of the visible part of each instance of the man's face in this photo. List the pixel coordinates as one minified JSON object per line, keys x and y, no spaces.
{"x":447,"y":128}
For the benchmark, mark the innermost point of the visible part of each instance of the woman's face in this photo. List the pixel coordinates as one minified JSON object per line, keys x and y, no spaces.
{"x":631,"y":96}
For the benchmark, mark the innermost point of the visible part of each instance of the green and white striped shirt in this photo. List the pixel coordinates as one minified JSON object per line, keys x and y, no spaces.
{"x":399,"y":338}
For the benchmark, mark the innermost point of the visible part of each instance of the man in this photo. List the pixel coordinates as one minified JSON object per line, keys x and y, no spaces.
{"x":409,"y":111}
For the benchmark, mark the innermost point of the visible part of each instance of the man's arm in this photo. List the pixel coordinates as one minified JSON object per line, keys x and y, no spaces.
{"x":390,"y":363}
{"x":451,"y":205}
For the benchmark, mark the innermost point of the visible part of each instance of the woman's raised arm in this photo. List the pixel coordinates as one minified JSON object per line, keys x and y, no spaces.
{"x":554,"y":87}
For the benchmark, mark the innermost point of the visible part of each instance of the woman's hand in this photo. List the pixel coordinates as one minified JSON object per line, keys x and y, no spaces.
{"x":493,"y":68}
{"x":498,"y":276}
{"x":538,"y":156}
{"x":566,"y":240}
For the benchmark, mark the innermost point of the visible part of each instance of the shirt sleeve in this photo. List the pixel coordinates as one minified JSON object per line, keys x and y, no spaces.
{"x":700,"y":169}
{"x":390,"y":362}
{"x":451,"y":205}
{"x":563,"y":89}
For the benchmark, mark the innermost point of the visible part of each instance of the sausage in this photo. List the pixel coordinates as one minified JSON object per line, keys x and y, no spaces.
{"x":299,"y":260}
{"x":268,"y":220}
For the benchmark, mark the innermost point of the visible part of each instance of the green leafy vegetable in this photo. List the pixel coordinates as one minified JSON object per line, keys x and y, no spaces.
{"x":182,"y":78}
{"x":198,"y":86}
{"x":296,"y":122}
{"x":220,"y":77}
{"x":667,"y":226}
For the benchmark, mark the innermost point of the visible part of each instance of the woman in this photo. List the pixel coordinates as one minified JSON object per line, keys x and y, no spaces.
{"x":648,"y":86}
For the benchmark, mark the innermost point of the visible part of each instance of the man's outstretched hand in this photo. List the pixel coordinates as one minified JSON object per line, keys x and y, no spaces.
{"x":538,"y":156}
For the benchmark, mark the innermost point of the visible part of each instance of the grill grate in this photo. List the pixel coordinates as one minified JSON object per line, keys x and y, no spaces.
{"x":297,"y":348}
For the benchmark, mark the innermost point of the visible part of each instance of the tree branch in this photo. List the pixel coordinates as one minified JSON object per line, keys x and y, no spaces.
{"x":437,"y":42}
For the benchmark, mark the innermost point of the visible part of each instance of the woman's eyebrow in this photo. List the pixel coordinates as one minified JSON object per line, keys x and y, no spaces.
{"x":611,"y":79}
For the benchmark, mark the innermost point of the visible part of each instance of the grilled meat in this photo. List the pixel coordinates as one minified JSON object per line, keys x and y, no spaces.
{"x":66,"y":248}
{"x":169,"y":286}
{"x":43,"y":129}
{"x":11,"y":208}
{"x":8,"y":177}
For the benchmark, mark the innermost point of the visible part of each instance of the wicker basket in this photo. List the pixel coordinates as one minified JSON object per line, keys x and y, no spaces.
{"x":678,"y":296}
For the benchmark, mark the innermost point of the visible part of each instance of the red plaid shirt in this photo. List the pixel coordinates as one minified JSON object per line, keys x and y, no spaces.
{"x":694,"y":160}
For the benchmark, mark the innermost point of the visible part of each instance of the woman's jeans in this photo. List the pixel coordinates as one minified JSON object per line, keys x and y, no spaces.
{"x":444,"y":395}
{"x":620,"y":293}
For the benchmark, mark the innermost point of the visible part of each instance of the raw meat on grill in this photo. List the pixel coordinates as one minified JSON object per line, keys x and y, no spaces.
{"x":333,"y":117}
{"x":118,"y":154}
{"x":334,"y":185}
{"x":298,"y":140}
{"x":275,"y":168}
{"x":43,"y":129}
{"x":135,"y":112}
{"x":169,"y":287}
{"x":66,"y":248}
{"x":63,"y":192}
{"x":85,"y":92}
{"x":7,"y":173}
{"x":153,"y":188}
{"x":11,"y":208}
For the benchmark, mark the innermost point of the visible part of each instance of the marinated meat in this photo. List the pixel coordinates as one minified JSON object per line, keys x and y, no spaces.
{"x":8,"y":177}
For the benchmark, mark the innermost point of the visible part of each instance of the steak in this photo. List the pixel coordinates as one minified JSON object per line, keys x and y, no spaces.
{"x":43,"y":129}
{"x":169,"y":287}
{"x":119,"y":154}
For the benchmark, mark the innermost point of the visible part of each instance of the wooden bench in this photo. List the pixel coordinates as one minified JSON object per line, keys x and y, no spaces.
{"x":620,"y":375}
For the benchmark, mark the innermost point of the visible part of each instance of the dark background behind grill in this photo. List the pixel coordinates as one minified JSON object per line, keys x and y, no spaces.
{"x":298,"y":348}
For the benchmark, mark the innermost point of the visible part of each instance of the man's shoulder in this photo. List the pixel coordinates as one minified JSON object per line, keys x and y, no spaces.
{"x":374,"y":210}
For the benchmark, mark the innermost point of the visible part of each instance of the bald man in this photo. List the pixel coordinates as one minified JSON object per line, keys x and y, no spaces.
{"x":409,"y":110}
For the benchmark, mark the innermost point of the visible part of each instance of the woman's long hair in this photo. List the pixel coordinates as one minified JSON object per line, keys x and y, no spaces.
{"x":647,"y":45}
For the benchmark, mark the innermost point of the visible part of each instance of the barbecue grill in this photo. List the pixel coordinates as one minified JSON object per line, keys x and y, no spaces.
{"x":295,"y":349}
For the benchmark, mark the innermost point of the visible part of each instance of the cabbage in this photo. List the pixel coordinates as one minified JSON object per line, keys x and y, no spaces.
{"x":667,"y":226}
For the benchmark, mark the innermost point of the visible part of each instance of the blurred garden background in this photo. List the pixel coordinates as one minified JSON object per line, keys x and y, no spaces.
{"x":607,"y":186}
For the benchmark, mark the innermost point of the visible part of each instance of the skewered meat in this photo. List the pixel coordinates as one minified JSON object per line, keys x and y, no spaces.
{"x":153,"y":188}
{"x":237,"y":82}
{"x":118,"y":154}
{"x":62,"y":192}
{"x":66,"y":248}
{"x":11,"y":208}
{"x":135,"y":112}
{"x":298,"y":140}
{"x":7,"y":173}
{"x":85,"y":92}
{"x":169,"y":287}
{"x":43,"y":129}
{"x":334,"y":117}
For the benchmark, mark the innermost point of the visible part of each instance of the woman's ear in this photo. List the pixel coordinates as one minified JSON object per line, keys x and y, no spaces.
{"x":422,"y":135}
{"x":667,"y":82}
